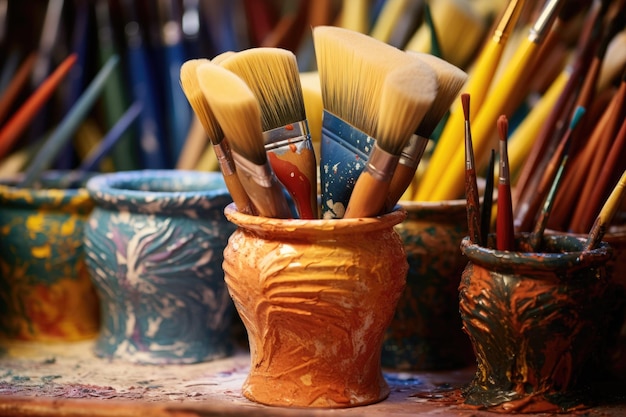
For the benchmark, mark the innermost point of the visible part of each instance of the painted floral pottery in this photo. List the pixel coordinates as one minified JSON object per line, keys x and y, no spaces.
{"x":45,"y":291}
{"x":315,"y":297}
{"x":154,"y":245}
{"x":426,"y":331}
{"x":534,"y":320}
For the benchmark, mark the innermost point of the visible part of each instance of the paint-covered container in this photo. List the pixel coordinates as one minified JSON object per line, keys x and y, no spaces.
{"x":534,"y":320}
{"x":426,"y":331}
{"x":45,"y":291}
{"x":154,"y":245}
{"x":315,"y":297}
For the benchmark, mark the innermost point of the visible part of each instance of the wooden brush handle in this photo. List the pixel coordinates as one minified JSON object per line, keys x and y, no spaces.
{"x":368,"y":197}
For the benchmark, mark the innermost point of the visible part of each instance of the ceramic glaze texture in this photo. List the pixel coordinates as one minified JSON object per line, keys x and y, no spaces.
{"x":315,"y":297}
{"x":45,"y":291}
{"x":426,"y":332}
{"x":154,"y":247}
{"x":534,"y":321}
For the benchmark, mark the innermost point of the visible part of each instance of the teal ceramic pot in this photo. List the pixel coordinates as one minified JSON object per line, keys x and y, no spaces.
{"x":534,"y":320}
{"x":154,"y":246}
{"x":45,"y":291}
{"x":426,"y":331}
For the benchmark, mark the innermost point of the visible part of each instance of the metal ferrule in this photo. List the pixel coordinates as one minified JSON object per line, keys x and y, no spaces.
{"x":507,"y":22}
{"x":381,"y":164}
{"x":504,"y":166}
{"x":544,"y":22}
{"x":410,"y":155}
{"x":260,"y":174}
{"x":469,"y":157}
{"x":291,"y":134}
{"x":224,"y":158}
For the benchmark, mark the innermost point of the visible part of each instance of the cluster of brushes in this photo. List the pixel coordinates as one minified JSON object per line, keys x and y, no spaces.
{"x":251,"y":106}
{"x":479,"y":217}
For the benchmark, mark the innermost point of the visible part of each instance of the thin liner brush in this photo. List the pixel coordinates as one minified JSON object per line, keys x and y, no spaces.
{"x":19,"y":80}
{"x":449,"y":80}
{"x":272,"y":75}
{"x":191,"y":87}
{"x":407,"y":94}
{"x":505,"y":237}
{"x":609,"y":209}
{"x":238,"y":113}
{"x":471,"y":185}
{"x":485,"y":213}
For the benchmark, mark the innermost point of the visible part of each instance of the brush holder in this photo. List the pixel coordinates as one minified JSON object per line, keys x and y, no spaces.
{"x":315,"y":297}
{"x":534,"y":320}
{"x":426,"y":331}
{"x":154,"y":246}
{"x":344,"y":150}
{"x":610,"y":361}
{"x":45,"y":291}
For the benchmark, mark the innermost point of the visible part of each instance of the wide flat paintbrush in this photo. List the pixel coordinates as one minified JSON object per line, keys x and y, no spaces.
{"x":238,"y":113}
{"x":352,"y":68}
{"x":408,"y":92}
{"x":272,"y":75}
{"x":449,"y":80}
{"x":190,"y":84}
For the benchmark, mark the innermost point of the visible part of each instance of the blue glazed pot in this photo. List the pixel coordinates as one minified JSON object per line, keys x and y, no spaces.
{"x":154,"y":246}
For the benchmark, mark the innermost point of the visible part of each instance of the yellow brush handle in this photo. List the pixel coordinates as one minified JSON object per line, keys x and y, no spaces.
{"x":451,"y":182}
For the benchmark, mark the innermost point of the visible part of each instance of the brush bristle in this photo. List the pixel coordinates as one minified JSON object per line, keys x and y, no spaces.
{"x":450,"y":79}
{"x":236,"y":109}
{"x":352,"y":69}
{"x":218,"y":59}
{"x":272,"y":75}
{"x":195,"y":96}
{"x":465,"y":103}
{"x":503,"y":128}
{"x":408,"y":93}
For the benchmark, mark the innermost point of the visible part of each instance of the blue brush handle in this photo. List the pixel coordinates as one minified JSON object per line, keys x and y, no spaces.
{"x":344,"y":151}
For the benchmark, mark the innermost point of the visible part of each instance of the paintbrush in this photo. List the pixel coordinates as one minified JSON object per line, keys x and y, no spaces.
{"x":63,"y":132}
{"x":478,"y":83}
{"x":529,"y":211}
{"x":190,"y":84}
{"x":19,"y":80}
{"x":505,"y":238}
{"x":485,"y":211}
{"x":497,"y":100}
{"x":24,"y":115}
{"x":238,"y":113}
{"x":407,"y":94}
{"x":536,"y":236}
{"x":449,"y":80}
{"x":471,"y":185}
{"x":352,"y":69}
{"x":272,"y":75}
{"x":610,"y":207}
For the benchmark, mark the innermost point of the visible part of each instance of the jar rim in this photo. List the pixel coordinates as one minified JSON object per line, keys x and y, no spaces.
{"x":128,"y":184}
{"x":303,"y":227}
{"x":489,"y":257}
{"x":50,"y":194}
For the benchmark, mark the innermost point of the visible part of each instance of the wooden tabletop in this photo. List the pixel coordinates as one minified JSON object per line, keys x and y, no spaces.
{"x":68,"y":380}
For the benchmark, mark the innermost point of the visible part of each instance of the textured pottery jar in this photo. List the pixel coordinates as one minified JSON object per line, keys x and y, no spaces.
{"x":315,"y":297}
{"x":534,"y":320}
{"x":426,"y":331}
{"x":154,"y":246}
{"x":45,"y":291}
